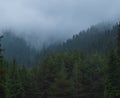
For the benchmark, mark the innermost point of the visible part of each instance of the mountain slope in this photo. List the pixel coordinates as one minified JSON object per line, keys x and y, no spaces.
{"x":98,"y":38}
{"x":17,"y":48}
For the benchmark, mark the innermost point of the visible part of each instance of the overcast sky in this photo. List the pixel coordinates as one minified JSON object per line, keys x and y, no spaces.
{"x":62,"y":18}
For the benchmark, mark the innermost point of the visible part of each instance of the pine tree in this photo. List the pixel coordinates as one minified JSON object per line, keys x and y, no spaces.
{"x":118,"y":63}
{"x":112,"y":83}
{"x":77,"y":78}
{"x":111,"y":78}
{"x":62,"y":87}
{"x":14,"y":88}
{"x":2,"y":72}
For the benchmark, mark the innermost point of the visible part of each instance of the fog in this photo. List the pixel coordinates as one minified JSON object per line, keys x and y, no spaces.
{"x":43,"y":21}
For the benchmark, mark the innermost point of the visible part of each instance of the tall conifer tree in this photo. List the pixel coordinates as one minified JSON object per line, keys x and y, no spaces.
{"x":2,"y":73}
{"x":112,"y":84}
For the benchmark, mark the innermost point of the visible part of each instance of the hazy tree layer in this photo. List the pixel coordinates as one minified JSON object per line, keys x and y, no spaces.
{"x":66,"y":74}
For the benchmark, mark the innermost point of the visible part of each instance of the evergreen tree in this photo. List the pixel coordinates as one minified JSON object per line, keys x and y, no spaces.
{"x":2,"y":72}
{"x":112,"y":89}
{"x":62,"y":87}
{"x":14,"y":88}
{"x":111,"y":77}
{"x":78,"y":79}
{"x":31,"y":88}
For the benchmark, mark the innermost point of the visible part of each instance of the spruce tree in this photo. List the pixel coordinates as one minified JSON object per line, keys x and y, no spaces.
{"x":2,"y":73}
{"x":118,"y":63}
{"x":78,"y":78}
{"x":62,"y":87}
{"x":14,"y":88}
{"x":112,"y":83}
{"x":111,"y":78}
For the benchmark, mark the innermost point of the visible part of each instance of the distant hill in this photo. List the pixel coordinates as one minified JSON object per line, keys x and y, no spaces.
{"x":98,"y":38}
{"x":17,"y":48}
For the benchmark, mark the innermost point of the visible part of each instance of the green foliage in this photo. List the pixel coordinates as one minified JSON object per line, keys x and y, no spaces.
{"x":14,"y":88}
{"x":94,"y":39}
{"x":112,"y":83}
{"x":65,"y":72}
{"x":2,"y":72}
{"x":75,"y":73}
{"x":62,"y":87}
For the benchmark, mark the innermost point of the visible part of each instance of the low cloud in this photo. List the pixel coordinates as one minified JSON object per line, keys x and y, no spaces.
{"x":44,"y":20}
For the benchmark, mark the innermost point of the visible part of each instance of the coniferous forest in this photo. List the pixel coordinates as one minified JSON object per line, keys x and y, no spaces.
{"x":85,"y":66}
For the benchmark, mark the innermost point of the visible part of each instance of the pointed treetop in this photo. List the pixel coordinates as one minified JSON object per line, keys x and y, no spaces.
{"x":1,"y":36}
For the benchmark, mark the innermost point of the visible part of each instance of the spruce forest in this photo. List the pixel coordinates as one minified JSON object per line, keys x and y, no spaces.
{"x":85,"y":66}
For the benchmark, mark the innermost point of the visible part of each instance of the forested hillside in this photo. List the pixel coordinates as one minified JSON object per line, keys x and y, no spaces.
{"x":88,"y":72}
{"x":99,"y":38}
{"x":18,"y":49}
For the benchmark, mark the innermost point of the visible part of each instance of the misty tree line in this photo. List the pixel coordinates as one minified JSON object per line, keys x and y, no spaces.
{"x":95,"y":39}
{"x":65,"y":74}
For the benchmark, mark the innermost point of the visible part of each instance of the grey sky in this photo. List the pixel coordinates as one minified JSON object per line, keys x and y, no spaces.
{"x":45,"y":18}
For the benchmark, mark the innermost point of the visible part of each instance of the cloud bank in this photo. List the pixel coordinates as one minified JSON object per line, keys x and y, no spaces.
{"x":45,"y":20}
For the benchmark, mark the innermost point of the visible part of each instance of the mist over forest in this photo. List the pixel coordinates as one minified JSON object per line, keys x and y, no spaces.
{"x":59,"y":49}
{"x":45,"y":22}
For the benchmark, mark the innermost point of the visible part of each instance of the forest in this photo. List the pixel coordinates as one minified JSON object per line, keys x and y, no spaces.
{"x":85,"y":66}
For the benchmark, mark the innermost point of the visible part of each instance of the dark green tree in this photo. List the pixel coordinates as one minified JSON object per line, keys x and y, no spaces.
{"x":2,"y":72}
{"x":62,"y":87}
{"x":14,"y":87}
{"x":112,"y":84}
{"x":111,"y":77}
